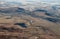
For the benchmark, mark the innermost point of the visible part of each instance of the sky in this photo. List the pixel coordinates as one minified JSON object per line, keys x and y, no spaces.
{"x":19,"y":0}
{"x":31,"y":0}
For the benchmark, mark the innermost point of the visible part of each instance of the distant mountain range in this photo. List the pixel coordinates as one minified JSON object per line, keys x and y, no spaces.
{"x":34,"y":10}
{"x":52,"y":10}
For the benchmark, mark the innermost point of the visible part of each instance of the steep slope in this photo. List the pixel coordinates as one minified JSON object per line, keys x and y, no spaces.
{"x":38,"y":21}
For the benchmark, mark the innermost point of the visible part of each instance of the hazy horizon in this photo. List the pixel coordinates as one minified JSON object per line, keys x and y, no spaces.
{"x":31,"y":0}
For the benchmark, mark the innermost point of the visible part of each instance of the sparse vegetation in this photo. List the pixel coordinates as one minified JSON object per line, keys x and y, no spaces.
{"x":32,"y":22}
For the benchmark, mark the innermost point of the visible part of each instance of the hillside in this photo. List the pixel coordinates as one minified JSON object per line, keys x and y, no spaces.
{"x":38,"y":21}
